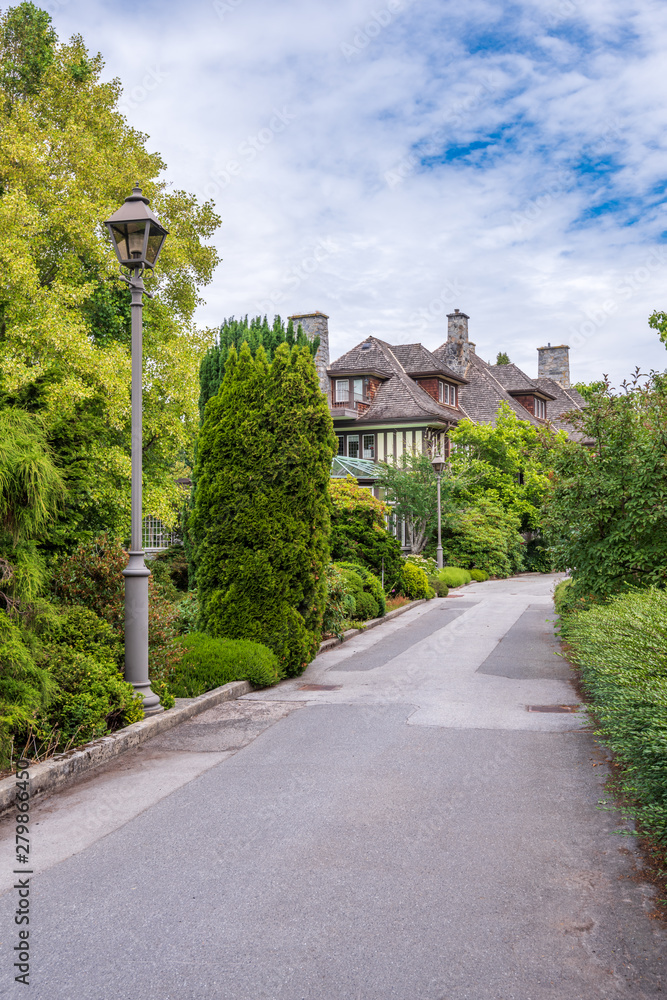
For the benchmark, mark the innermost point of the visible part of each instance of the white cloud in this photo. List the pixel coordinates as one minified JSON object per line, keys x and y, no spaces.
{"x":507,"y":233}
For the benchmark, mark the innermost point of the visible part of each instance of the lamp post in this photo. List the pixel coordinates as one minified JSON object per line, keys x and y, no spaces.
{"x":438,"y":463}
{"x":137,"y":238}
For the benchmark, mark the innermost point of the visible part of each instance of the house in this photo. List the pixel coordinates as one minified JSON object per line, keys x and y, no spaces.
{"x":387,"y":399}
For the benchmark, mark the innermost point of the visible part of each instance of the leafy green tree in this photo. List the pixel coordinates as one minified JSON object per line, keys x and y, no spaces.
{"x":410,"y":486}
{"x":589,"y":389}
{"x":507,"y":464}
{"x":502,"y":358}
{"x":359,"y":532}
{"x":261,"y":518}
{"x":484,"y":535}
{"x":256,"y":333}
{"x":68,"y":158}
{"x":607,"y":515}
{"x":31,"y":489}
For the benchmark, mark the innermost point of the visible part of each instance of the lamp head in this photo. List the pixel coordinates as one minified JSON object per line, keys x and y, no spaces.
{"x":136,"y":235}
{"x":438,"y":463}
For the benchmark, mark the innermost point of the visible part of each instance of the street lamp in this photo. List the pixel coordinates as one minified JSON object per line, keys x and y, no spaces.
{"x":438,"y":463}
{"x":137,"y":237}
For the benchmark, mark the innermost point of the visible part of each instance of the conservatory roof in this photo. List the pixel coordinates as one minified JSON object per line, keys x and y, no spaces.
{"x":360,"y":468}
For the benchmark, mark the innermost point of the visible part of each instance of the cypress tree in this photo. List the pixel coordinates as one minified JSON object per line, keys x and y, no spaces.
{"x":257,"y":333}
{"x":261,"y":516}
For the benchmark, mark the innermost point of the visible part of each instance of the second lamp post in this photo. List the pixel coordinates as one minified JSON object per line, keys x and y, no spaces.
{"x":137,"y":238}
{"x":438,"y":463}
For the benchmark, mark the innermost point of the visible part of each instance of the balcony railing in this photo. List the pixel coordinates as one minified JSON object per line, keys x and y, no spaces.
{"x":356,"y":402}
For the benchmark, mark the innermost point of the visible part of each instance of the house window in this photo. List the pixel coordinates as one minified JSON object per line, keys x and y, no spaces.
{"x":341,"y":444}
{"x":342,"y":390}
{"x":353,"y":446}
{"x":442,"y":398}
{"x":358,"y":387}
{"x":540,"y":408}
{"x":369,"y":446}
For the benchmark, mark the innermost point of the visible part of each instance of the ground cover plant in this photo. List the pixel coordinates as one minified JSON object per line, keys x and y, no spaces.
{"x":454,"y":576}
{"x":620,"y":648}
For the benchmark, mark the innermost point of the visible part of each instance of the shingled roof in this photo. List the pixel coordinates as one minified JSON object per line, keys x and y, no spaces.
{"x":418,"y":362}
{"x":515,"y":381}
{"x":564,"y":401}
{"x":399,"y":397}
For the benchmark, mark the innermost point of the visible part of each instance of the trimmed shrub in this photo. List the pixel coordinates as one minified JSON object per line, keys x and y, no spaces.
{"x":438,"y":586}
{"x":479,"y":575}
{"x":261,"y":517}
{"x":621,"y":649}
{"x":414,"y":582}
{"x":369,"y":585}
{"x":208,"y":663}
{"x":454,"y":576}
{"x":366,"y":607}
{"x":340,"y":605}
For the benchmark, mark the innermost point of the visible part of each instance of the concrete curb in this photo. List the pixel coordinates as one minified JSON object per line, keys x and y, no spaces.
{"x":373,"y":623}
{"x":65,"y":769}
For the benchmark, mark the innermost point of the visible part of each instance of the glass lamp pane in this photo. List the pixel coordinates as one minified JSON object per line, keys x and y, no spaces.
{"x":156,"y":238}
{"x":119,"y":233}
{"x":135,"y":238}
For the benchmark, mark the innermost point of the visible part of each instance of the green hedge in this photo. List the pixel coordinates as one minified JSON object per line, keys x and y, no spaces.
{"x":453,"y":576}
{"x":621,"y":649}
{"x":208,"y":663}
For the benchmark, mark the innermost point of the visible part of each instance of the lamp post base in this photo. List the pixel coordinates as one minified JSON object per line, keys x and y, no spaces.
{"x":438,"y":556}
{"x":136,"y":631}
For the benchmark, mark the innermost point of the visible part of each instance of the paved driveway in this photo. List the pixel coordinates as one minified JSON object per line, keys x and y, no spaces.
{"x":416,"y":818}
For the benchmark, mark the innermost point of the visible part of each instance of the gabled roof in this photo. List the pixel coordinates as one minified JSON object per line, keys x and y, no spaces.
{"x":373,"y":356}
{"x":398,"y":397}
{"x":481,"y":398}
{"x":418,"y":362}
{"x":515,"y":381}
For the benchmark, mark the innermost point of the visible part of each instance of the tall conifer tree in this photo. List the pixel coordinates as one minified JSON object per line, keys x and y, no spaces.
{"x":261,"y":519}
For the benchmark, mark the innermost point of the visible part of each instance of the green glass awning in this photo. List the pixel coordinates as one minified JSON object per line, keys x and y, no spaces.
{"x":360,"y":468}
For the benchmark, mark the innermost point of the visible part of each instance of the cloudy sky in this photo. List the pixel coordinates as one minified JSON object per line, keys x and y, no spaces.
{"x":385,"y":162}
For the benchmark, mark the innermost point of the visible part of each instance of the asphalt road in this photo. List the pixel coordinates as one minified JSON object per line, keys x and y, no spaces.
{"x":417,"y":824}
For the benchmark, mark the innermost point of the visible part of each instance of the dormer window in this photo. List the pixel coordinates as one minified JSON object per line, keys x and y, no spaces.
{"x":342,"y":390}
{"x":540,"y":408}
{"x":447,"y":393}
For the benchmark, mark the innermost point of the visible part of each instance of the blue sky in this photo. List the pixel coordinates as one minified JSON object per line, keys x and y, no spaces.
{"x":388,"y":162}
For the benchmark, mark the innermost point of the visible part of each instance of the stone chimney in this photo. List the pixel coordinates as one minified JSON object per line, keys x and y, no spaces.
{"x":459,"y":347}
{"x":554,"y":363}
{"x":316,"y":324}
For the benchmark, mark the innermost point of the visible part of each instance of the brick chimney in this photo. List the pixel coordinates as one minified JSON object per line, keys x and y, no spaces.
{"x":459,"y":347}
{"x":554,"y":363}
{"x":316,"y":324}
